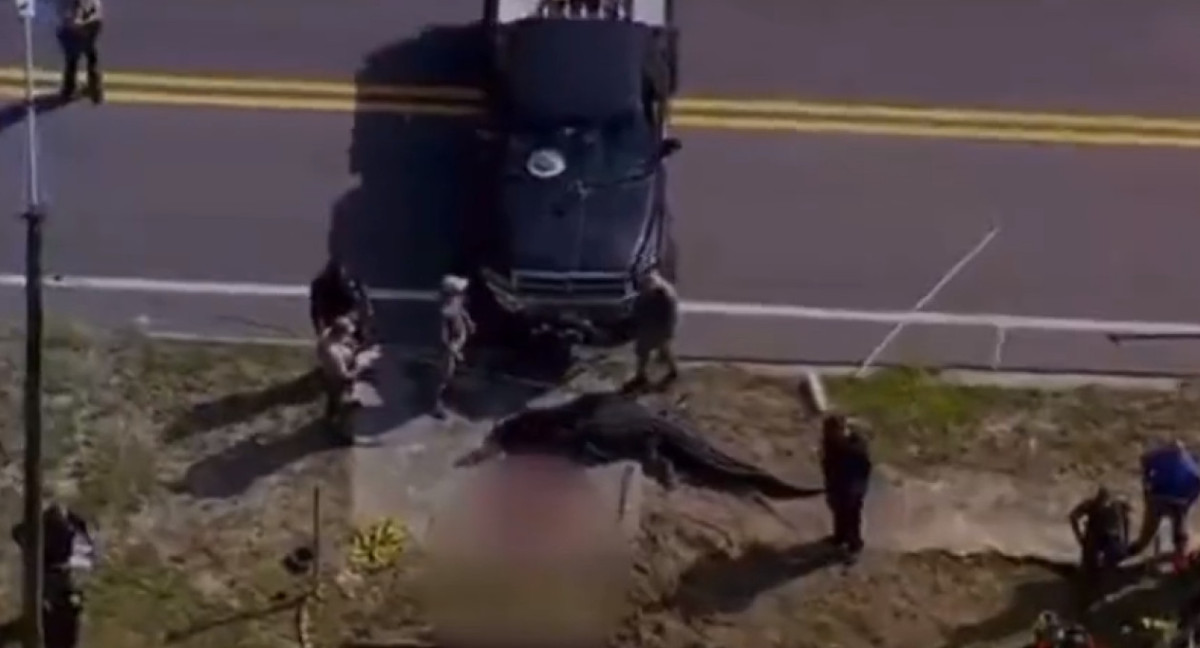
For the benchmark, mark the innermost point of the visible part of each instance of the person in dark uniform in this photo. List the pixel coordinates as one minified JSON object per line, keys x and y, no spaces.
{"x":1100,"y":524}
{"x":846,"y":464}
{"x":80,"y":23}
{"x":336,"y":293}
{"x":67,"y":547}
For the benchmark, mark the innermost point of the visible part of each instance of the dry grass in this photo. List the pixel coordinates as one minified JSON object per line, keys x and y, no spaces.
{"x":739,"y":580}
{"x":198,"y":463}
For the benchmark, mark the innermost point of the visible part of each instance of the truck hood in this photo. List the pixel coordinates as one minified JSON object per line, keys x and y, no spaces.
{"x":554,"y":229}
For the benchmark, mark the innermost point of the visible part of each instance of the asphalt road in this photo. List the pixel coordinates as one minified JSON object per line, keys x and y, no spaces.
{"x":835,"y":221}
{"x":814,"y":220}
{"x":1122,"y":55}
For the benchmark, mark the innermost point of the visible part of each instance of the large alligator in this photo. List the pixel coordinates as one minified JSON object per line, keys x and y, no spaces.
{"x":601,"y":428}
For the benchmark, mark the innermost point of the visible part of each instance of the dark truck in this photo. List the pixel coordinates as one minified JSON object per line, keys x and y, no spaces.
{"x":574,"y":197}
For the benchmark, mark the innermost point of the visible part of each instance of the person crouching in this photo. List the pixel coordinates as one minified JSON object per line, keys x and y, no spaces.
{"x":1100,"y":524}
{"x":1171,"y":486}
{"x":343,"y":362}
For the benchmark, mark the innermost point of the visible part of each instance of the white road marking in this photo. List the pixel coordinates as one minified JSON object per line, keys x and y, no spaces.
{"x":213,"y":288}
{"x":711,"y":308}
{"x":928,"y":297}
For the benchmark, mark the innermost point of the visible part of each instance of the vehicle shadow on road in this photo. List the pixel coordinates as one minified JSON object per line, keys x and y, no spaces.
{"x":721,"y":584}
{"x":416,"y":175}
{"x":398,"y":226}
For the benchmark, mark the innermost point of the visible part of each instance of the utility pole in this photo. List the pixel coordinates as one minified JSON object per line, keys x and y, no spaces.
{"x":34,"y":635}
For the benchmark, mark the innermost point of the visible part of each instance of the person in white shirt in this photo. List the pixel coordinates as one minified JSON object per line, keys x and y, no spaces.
{"x":457,"y":327}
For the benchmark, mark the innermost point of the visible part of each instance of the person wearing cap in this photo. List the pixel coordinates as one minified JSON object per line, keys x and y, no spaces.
{"x":1170,"y":486}
{"x":457,"y":327}
{"x":335,"y":293}
{"x":337,"y":356}
{"x":846,"y":466}
{"x":655,"y":318}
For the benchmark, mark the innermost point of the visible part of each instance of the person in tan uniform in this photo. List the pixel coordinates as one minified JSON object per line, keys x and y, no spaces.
{"x":457,"y":327}
{"x":342,"y":363}
{"x":80,"y":23}
{"x":655,"y":318}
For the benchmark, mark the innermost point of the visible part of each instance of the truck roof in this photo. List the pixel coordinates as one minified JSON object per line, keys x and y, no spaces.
{"x":575,"y":69}
{"x":654,"y":13}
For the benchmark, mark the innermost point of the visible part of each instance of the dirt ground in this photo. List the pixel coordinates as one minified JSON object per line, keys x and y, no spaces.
{"x":199,"y":465}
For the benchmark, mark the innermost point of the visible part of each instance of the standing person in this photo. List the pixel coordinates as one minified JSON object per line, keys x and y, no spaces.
{"x":335,"y":293}
{"x":80,"y":23}
{"x":846,"y":464}
{"x":457,"y":327}
{"x":341,"y":364}
{"x":1100,"y":524}
{"x":68,"y":548}
{"x":655,"y":318}
{"x":1170,"y":485}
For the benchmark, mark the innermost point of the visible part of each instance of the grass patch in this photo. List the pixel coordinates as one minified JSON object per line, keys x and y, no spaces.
{"x":917,"y":417}
{"x":916,"y":399}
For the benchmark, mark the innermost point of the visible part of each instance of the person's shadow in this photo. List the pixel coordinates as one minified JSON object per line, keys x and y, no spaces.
{"x":721,"y":584}
{"x":14,"y":112}
{"x":1135,"y":594}
{"x":233,"y":471}
{"x":242,"y":406}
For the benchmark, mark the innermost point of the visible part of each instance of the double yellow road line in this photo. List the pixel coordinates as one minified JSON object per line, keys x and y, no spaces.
{"x":777,"y":116}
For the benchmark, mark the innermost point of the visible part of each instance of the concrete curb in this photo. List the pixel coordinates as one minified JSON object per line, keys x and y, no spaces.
{"x":971,"y":377}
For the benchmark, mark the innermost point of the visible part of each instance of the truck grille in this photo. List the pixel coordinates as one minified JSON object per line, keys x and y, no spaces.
{"x":579,"y":286}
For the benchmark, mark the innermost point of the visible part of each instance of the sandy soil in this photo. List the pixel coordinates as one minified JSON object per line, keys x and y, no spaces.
{"x":199,"y":464}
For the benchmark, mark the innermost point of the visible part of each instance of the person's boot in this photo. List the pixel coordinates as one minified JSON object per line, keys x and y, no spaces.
{"x":95,"y":91}
{"x":635,"y":384}
{"x":439,"y":407}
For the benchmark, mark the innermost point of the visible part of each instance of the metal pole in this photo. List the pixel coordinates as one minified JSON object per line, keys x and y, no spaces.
{"x":33,"y":585}
{"x":32,"y":600}
{"x":33,"y":196}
